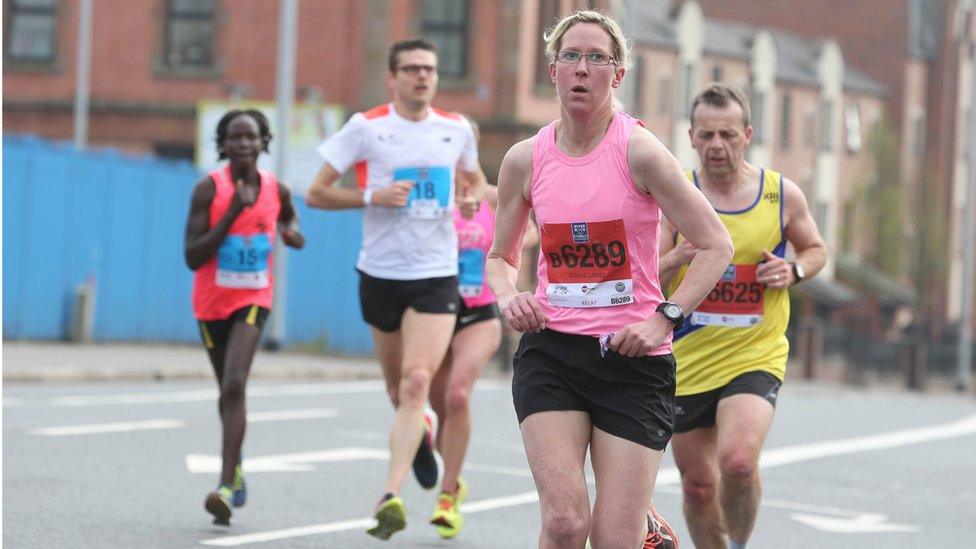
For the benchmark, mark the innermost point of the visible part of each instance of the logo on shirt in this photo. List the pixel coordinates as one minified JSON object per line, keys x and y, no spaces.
{"x":771,"y":197}
{"x":389,"y":138}
{"x":581,"y":233}
{"x":446,"y":139}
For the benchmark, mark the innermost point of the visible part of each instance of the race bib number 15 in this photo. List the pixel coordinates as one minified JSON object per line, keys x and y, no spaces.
{"x":431,"y":194}
{"x":588,"y":264}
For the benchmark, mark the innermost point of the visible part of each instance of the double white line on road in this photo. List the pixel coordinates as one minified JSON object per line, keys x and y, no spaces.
{"x":669,"y":476}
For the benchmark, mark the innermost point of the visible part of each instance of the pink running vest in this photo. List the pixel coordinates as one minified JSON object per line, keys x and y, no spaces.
{"x":598,"y":264}
{"x":474,"y":241}
{"x":241,"y":272}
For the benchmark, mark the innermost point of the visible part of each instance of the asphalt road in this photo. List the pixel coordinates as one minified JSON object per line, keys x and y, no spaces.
{"x":128,"y":465}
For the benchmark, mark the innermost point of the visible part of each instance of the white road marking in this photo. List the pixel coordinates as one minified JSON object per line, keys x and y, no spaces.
{"x":287,"y":415}
{"x":362,"y":523}
{"x":669,"y":476}
{"x":201,"y":395}
{"x":100,"y":428}
{"x":865,"y":523}
{"x":302,"y":461}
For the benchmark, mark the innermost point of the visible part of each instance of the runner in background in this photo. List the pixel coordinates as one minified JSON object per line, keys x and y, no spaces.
{"x":477,"y":335}
{"x":235,"y":215}
{"x":407,"y":155}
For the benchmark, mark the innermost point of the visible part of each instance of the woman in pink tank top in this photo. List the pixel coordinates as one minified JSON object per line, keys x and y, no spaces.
{"x":594,"y":368}
{"x":235,"y":215}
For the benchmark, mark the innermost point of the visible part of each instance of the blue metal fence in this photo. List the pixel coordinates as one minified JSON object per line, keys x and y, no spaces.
{"x":71,"y":216}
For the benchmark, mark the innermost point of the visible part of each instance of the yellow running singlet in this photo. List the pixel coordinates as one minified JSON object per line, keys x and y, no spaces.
{"x":741,"y":325}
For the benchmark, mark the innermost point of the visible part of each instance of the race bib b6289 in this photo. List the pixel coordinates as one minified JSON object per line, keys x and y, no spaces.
{"x":588,"y":264}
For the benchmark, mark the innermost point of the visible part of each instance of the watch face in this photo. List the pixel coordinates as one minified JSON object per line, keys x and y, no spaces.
{"x":672,"y":311}
{"x":799,"y":270}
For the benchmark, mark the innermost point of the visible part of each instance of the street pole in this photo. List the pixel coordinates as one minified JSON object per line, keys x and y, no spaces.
{"x":284,"y":97}
{"x":965,"y":351}
{"x":83,"y":76}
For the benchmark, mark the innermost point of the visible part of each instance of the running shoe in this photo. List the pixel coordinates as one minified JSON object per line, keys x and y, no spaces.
{"x":391,"y":517}
{"x":447,"y":516}
{"x":424,"y":462}
{"x":218,"y":504}
{"x":240,"y":488}
{"x":660,"y":535}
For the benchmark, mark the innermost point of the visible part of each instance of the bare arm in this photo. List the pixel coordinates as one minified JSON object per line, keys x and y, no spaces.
{"x":511,"y":216}
{"x":202,"y":241}
{"x":672,"y":256}
{"x":656,"y":171}
{"x":325,"y":195}
{"x":801,"y":231}
{"x":531,"y":237}
{"x":291,"y":235}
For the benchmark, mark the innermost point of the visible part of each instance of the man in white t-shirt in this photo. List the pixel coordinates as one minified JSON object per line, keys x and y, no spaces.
{"x":406,"y":155}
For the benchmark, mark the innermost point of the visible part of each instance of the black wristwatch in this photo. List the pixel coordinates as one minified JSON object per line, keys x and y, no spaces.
{"x":672,"y":312}
{"x":798,"y":273}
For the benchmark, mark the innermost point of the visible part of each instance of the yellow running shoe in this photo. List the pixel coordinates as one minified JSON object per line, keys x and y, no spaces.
{"x":218,"y":505}
{"x":391,"y":517}
{"x":447,"y":516}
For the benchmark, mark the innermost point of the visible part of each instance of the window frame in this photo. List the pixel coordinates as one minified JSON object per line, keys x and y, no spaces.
{"x":171,"y":15}
{"x":12,"y":10}
{"x":462,"y":26}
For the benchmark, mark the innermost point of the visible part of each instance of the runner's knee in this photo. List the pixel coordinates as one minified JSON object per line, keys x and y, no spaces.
{"x":698,"y":493}
{"x":738,"y":464}
{"x":565,"y":525}
{"x":458,"y":400}
{"x":414,"y":386}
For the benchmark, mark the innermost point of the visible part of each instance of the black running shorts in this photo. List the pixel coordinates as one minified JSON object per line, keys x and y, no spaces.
{"x":698,"y":411}
{"x":384,"y":301}
{"x":467,"y":317}
{"x":631,"y":398}
{"x":215,"y":332}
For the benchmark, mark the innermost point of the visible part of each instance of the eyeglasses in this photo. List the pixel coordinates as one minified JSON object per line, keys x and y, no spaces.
{"x":571,"y":57}
{"x":414,"y":70}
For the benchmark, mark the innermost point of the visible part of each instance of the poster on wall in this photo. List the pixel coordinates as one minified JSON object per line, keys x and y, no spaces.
{"x":310,"y":125}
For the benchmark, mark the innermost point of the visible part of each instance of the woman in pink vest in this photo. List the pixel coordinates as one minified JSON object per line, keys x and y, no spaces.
{"x":594,"y":369}
{"x":235,"y":215}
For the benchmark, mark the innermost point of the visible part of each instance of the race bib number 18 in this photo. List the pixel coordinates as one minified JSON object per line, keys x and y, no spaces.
{"x":588,"y":264}
{"x":431,"y":194}
{"x":736,"y":301}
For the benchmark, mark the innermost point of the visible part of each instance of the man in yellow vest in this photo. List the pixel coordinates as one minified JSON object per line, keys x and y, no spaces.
{"x":731,"y":351}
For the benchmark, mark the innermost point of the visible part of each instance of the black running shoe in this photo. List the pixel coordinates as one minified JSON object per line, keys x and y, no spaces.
{"x":424,"y":463}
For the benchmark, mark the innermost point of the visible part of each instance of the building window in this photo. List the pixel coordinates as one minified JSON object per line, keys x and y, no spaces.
{"x":189,"y":33}
{"x":664,"y":95}
{"x":827,"y":126}
{"x":785,"y":126}
{"x":174,"y":151}
{"x":716,"y":73}
{"x":30,"y":31}
{"x":548,"y":13}
{"x":852,"y":123}
{"x":445,"y":23}
{"x":757,"y":104}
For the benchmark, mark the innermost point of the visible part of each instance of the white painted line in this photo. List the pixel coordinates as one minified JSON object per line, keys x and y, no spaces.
{"x":881,"y":441}
{"x":362,"y":523}
{"x":196,"y":463}
{"x":669,"y":476}
{"x":286,"y":415}
{"x":867,"y":523}
{"x":203,"y":395}
{"x":273,"y":535}
{"x":100,"y":428}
